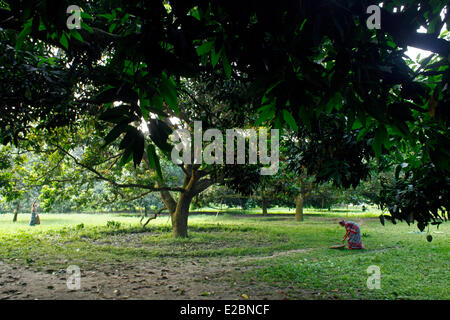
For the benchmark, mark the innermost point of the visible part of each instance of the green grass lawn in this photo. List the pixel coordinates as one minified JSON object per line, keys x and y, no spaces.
{"x":411,"y":267}
{"x":354,"y":211}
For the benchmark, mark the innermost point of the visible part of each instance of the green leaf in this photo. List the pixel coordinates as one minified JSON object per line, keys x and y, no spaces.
{"x":357,"y":124}
{"x":168,"y":91}
{"x":108,"y":16}
{"x":362,"y":133}
{"x":195,"y":13}
{"x":85,"y":15}
{"x":154,"y":106}
{"x":86,"y":27}
{"x":138,"y":148}
{"x":112,"y":27}
{"x":153,"y":160}
{"x":118,"y":115}
{"x":159,"y":133}
{"x":42,"y":26}
{"x":23,"y":34}
{"x":303,"y":24}
{"x":63,"y":40}
{"x":380,"y":139}
{"x":157,"y":102}
{"x":215,"y":56}
{"x":277,"y":122}
{"x":127,"y":156}
{"x":129,"y":138}
{"x":5,"y":5}
{"x":77,"y":35}
{"x":287,"y":116}
{"x":268,"y":112}
{"x":125,"y":18}
{"x":305,"y":116}
{"x":334,"y":103}
{"x":115,"y":133}
{"x":205,"y":48}
{"x":129,"y":68}
{"x":144,"y":104}
{"x":226,"y":66}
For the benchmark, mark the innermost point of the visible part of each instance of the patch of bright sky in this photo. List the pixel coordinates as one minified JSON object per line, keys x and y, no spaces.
{"x":414,"y":52}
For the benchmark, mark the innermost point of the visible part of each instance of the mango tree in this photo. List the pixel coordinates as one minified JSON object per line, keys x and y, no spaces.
{"x":298,"y":60}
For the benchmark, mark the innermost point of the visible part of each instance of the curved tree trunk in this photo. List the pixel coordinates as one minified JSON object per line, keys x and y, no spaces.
{"x":16,"y":212}
{"x":180,"y":216}
{"x":299,"y":207}
{"x":169,"y":202}
{"x":179,"y":210}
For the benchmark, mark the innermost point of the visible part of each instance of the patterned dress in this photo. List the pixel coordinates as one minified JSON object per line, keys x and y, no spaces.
{"x":33,"y":220}
{"x":354,"y":237}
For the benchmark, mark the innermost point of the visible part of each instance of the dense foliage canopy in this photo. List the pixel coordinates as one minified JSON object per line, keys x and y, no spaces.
{"x":313,"y":67}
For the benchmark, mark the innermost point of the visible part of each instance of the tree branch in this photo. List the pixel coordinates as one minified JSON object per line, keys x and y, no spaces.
{"x":155,"y":215}
{"x":202,"y":185}
{"x":118,"y":185}
{"x":397,"y":25}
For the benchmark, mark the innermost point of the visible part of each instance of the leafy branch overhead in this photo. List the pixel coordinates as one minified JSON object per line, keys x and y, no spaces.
{"x":312,"y":68}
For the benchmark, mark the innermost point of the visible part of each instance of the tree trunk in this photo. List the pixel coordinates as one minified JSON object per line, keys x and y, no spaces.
{"x":179,"y":210}
{"x":264,"y":206}
{"x":180,"y":216}
{"x":168,"y":201}
{"x":16,"y":212}
{"x":299,"y":207}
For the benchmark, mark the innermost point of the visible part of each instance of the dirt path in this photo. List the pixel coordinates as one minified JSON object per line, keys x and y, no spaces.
{"x":199,"y":278}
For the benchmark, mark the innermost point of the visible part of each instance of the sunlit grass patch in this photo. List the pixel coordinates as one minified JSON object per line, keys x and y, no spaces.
{"x":281,"y":251}
{"x":411,"y":267}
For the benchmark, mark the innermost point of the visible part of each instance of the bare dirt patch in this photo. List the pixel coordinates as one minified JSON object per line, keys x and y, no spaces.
{"x":214,"y":240}
{"x":166,"y":278}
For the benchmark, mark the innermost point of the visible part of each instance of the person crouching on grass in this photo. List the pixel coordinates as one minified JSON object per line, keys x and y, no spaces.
{"x":353,"y":233}
{"x":34,"y":216}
